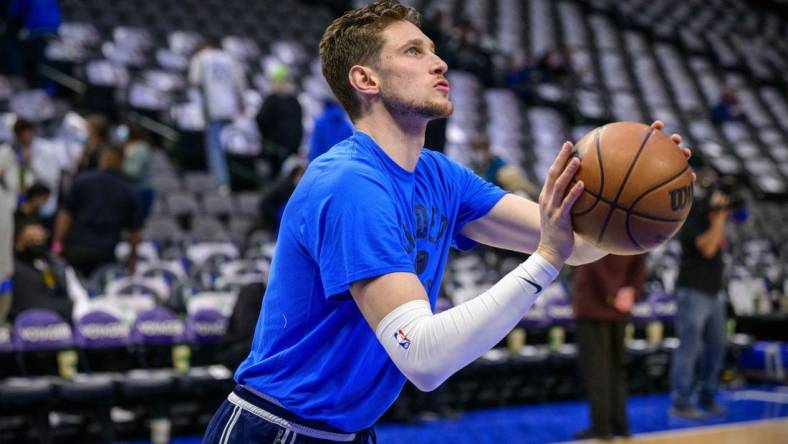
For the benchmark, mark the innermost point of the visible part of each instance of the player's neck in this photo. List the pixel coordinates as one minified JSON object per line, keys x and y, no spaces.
{"x":401,"y":139}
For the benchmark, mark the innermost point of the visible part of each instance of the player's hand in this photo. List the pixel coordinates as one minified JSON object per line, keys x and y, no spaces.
{"x":555,"y":204}
{"x":676,"y":138}
{"x":624,"y":300}
{"x":720,"y":207}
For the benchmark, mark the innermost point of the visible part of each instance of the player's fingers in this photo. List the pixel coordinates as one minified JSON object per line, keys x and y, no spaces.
{"x":572,"y":196}
{"x":563,"y":180}
{"x":558,"y":165}
{"x":687,"y":152}
{"x":560,"y":161}
{"x":658,"y":125}
{"x":676,"y":138}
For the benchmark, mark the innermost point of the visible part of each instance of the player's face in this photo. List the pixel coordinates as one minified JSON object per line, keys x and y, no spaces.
{"x":412,"y":76}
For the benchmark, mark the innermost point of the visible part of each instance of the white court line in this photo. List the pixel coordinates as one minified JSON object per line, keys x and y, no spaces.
{"x":755,"y":395}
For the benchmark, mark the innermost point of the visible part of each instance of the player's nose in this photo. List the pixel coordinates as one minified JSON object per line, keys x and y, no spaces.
{"x":439,"y":66}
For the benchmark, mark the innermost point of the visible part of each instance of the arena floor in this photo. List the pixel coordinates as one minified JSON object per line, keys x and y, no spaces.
{"x":550,"y":423}
{"x":757,"y":415}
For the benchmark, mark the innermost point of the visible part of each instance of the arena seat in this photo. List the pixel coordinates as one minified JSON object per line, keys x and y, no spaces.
{"x":529,"y":367}
{"x":45,"y":343}
{"x":206,"y":381}
{"x":150,"y":388}
{"x":29,"y":398}
{"x":104,"y":342}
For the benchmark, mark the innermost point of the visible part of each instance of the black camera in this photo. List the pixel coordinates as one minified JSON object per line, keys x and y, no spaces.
{"x":737,"y":200}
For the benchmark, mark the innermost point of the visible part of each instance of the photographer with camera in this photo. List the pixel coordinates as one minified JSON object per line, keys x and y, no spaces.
{"x":700,"y":308}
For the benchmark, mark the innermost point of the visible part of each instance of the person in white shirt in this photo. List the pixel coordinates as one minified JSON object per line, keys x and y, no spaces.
{"x":15,"y":177}
{"x":221,"y":81}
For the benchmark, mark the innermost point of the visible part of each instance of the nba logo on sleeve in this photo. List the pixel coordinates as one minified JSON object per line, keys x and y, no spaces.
{"x":403,"y":340}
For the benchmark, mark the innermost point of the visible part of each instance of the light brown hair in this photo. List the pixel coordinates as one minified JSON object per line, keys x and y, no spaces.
{"x":355,"y":39}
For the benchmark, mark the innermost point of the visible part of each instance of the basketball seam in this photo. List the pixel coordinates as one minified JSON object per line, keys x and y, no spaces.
{"x":623,"y":183}
{"x":601,"y":177}
{"x":630,"y":235}
{"x":634,"y":213}
{"x":630,"y":211}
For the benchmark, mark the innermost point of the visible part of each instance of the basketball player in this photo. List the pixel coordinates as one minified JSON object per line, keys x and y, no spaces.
{"x":347,"y":316}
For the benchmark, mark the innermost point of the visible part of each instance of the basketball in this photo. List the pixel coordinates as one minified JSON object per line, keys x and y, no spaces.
{"x":638,"y":188}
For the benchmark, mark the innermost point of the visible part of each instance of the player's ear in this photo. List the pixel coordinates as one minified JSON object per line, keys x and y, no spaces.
{"x":364,"y":80}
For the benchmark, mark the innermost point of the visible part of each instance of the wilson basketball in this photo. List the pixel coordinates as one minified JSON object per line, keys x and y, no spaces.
{"x":638,"y":188}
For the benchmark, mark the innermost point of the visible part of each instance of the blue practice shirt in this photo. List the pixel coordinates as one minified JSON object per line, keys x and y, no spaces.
{"x":355,"y":215}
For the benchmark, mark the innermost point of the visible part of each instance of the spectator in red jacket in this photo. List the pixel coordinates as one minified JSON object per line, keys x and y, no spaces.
{"x":604,"y":294}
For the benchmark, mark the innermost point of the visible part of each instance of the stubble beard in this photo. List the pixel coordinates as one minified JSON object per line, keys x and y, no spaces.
{"x":427,"y":109}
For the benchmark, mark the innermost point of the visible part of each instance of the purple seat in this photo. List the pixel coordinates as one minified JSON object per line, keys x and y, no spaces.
{"x":536,"y":318}
{"x":99,"y":329}
{"x":40,"y":329}
{"x":37,"y":336}
{"x":643,"y":313}
{"x":560,"y":312}
{"x":205,"y":329}
{"x":206,"y":326}
{"x":158,"y":326}
{"x":154,"y":334}
{"x":664,"y":306}
{"x":104,"y":340}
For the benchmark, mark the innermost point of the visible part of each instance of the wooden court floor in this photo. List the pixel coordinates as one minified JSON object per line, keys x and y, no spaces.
{"x":773,"y":431}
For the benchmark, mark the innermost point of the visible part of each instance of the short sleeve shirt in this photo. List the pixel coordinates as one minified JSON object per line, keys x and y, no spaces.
{"x":103,"y":205}
{"x":355,"y":215}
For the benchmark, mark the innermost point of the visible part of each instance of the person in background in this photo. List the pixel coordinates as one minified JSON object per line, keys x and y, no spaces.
{"x":30,"y":25}
{"x":727,"y":109}
{"x":437,"y":26}
{"x":39,"y":278}
{"x":28,"y":212}
{"x":237,"y":340}
{"x":604,"y":294}
{"x":35,"y":162}
{"x":137,"y":166}
{"x":280,"y":120}
{"x":99,"y":208}
{"x":16,"y":159}
{"x":555,"y":66}
{"x":700,"y":309}
{"x":275,"y":197}
{"x":98,"y":129}
{"x":16,"y":176}
{"x":331,"y":127}
{"x":8,"y":199}
{"x":520,"y":77}
{"x":221,"y":81}
{"x":485,"y":163}
{"x":495,"y":170}
{"x":470,"y":54}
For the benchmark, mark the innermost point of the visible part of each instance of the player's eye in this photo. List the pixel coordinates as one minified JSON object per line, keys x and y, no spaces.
{"x":413,"y":50}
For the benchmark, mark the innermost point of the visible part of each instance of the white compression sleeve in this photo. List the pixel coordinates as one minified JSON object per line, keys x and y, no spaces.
{"x":428,"y":348}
